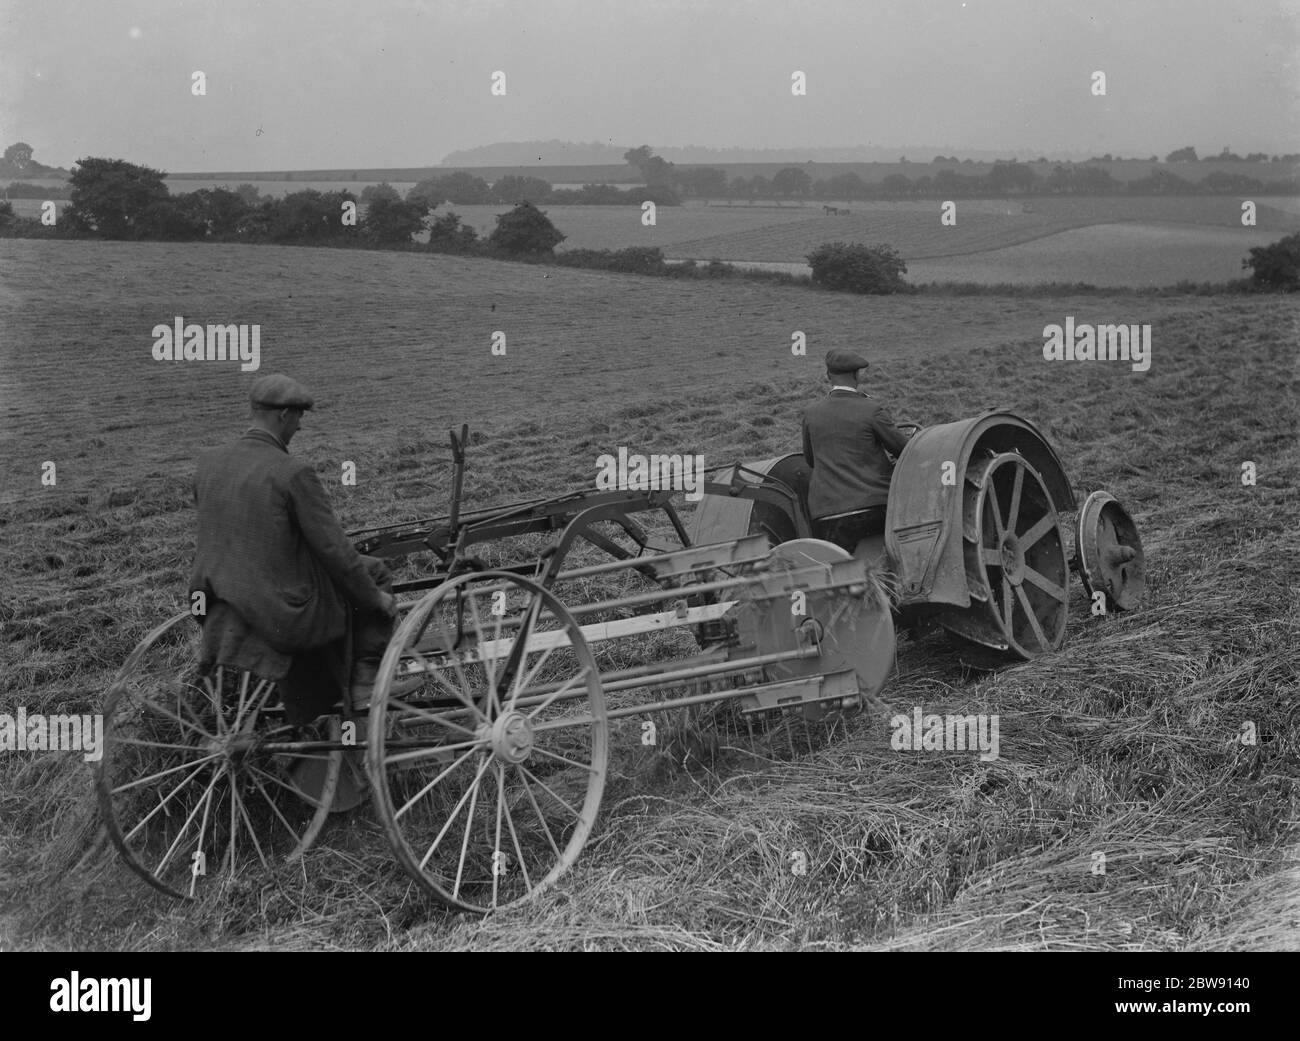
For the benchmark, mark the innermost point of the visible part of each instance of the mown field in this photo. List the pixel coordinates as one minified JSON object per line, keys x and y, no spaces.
{"x":1123,"y":742}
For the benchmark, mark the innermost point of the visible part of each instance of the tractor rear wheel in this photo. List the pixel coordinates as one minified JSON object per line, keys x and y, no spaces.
{"x":1016,"y":569}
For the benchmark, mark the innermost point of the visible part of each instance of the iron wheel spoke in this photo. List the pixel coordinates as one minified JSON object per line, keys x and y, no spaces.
{"x":1013,"y":511}
{"x":489,"y":665}
{"x":1046,"y":584}
{"x":456,"y":813}
{"x":1045,"y":524}
{"x":197,"y":763}
{"x":272,"y":803}
{"x":514,"y":836}
{"x":538,"y":810}
{"x":432,"y":784}
{"x":469,"y":826}
{"x":996,"y":507}
{"x":162,"y":804}
{"x":568,"y":762}
{"x":497,"y":866}
{"x":1033,"y":618}
{"x":547,"y":789}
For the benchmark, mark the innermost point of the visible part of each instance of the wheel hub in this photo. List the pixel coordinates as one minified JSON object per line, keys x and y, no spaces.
{"x":1013,"y":558}
{"x":234,"y":745}
{"x":512,"y":737}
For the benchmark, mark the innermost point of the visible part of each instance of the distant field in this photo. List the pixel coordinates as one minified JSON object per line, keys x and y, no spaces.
{"x":1209,"y":228}
{"x":615,"y":227}
{"x":914,"y":229}
{"x":1105,"y":255}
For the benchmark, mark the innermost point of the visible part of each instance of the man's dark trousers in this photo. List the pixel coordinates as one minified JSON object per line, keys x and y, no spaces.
{"x":847,"y":531}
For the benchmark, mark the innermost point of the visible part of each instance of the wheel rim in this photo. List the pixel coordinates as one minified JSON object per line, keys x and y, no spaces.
{"x":488,"y":778}
{"x":852,"y":634}
{"x":1015,"y":559}
{"x":1109,"y":551}
{"x":196,"y":782}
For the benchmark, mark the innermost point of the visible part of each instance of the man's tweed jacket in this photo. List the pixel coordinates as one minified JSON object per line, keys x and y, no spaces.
{"x":845,"y":435}
{"x":270,"y":546}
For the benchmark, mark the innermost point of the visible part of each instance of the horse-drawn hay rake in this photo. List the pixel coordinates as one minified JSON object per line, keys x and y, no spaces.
{"x":488,"y":733}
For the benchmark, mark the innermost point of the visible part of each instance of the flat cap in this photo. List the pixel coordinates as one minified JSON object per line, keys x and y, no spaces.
{"x":279,"y":391}
{"x":840,"y":360}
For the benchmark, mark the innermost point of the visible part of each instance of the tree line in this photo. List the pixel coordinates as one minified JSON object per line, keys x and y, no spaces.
{"x":1002,"y":179}
{"x":665,"y":184}
{"x":114,"y":199}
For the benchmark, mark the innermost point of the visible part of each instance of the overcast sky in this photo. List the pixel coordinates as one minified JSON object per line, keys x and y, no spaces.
{"x":339,"y":83}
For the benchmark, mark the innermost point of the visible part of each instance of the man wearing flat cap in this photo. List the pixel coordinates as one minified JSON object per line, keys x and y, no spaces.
{"x":845,"y":436}
{"x":283,"y":586}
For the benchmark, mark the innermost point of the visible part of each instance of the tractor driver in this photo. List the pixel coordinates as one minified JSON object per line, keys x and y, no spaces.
{"x":282,"y":584}
{"x":845,"y":436}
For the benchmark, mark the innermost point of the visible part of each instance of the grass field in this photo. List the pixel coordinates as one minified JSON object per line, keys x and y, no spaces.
{"x":1122,"y":742}
{"x":1105,"y":255}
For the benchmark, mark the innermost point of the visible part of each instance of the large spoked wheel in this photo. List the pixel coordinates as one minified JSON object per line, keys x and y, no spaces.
{"x":488,"y":741}
{"x":1015,"y":559}
{"x":201,"y":776}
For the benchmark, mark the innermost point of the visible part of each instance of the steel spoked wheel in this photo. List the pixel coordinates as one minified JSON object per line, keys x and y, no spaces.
{"x":1016,"y":569}
{"x":201,"y":775}
{"x":488,"y":776}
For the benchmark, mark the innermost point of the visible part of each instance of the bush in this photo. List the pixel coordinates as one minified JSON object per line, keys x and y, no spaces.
{"x":307,"y":216}
{"x":658,"y":194}
{"x":383,"y":190}
{"x":175,"y":219}
{"x":109,"y":196}
{"x":460,"y":188}
{"x":448,"y":235}
{"x":23,"y":190}
{"x":855,"y":268}
{"x":389,"y":220}
{"x":525,"y":229}
{"x":636,"y":260}
{"x":512,"y":189}
{"x":1277,"y":265}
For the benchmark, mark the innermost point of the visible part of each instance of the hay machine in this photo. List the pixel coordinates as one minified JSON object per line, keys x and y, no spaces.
{"x":487,"y":770}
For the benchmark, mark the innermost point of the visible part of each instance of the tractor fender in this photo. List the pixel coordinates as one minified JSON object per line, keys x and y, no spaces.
{"x":923,"y":521}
